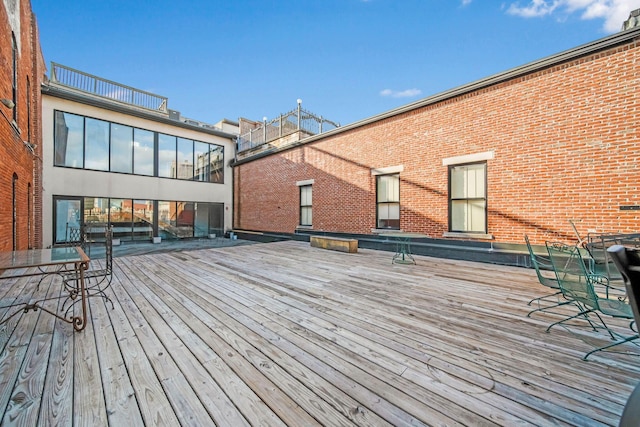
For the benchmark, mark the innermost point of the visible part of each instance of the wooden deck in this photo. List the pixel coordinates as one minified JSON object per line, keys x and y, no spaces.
{"x":286,"y":334}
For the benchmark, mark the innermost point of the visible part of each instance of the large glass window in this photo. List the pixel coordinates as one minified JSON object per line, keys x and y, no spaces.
{"x":388,"y":201}
{"x":121,"y":218}
{"x":136,"y":219}
{"x":68,"y":140}
{"x":67,"y":217}
{"x":167,"y":220}
{"x":166,"y":156}
{"x":143,"y":152}
{"x":467,"y":198}
{"x":305,"y":205}
{"x":142,"y":219}
{"x":185,"y":159}
{"x":184,"y":219}
{"x":121,"y":148}
{"x":85,"y":142}
{"x":97,"y":144}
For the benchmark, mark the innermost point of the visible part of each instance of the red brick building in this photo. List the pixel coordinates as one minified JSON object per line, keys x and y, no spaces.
{"x":523,"y":151}
{"x":21,"y":71}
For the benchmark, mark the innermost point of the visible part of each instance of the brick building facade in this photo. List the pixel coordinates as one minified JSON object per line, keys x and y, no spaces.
{"x":554,"y":140}
{"x":21,"y":71}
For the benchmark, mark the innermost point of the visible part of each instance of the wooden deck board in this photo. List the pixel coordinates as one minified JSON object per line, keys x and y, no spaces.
{"x":286,"y":334}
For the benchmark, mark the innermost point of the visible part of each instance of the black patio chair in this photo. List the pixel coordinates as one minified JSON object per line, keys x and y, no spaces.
{"x":627,"y":261}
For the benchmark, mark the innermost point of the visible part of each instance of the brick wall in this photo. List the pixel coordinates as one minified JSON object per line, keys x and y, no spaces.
{"x":16,"y":158}
{"x":566,"y":141}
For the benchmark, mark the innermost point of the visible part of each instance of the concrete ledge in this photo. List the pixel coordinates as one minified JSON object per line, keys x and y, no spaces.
{"x":335,"y":243}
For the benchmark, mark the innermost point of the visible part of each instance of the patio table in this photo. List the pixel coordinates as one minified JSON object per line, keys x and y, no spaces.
{"x":36,"y":262}
{"x":403,"y":246}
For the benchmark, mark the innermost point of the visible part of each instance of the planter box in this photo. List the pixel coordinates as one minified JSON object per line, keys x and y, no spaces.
{"x":212,"y":236}
{"x":115,"y":242}
{"x":157,"y":239}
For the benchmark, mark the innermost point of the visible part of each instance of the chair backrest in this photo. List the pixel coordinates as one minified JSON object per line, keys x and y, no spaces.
{"x":540,"y":262}
{"x":572,"y":274}
{"x":627,"y":260}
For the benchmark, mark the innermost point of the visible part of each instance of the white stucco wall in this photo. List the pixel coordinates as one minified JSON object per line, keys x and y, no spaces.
{"x":61,"y":181}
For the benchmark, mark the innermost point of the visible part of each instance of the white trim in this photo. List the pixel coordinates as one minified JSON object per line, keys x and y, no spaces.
{"x":306,"y":182}
{"x":387,"y":170}
{"x":469,"y":158}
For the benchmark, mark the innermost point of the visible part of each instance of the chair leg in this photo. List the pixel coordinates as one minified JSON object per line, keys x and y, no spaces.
{"x":584,"y":313}
{"x":558,"y":304}
{"x":544,"y":297}
{"x":628,"y":339}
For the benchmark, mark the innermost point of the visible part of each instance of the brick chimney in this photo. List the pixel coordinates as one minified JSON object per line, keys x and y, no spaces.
{"x":633,"y":21}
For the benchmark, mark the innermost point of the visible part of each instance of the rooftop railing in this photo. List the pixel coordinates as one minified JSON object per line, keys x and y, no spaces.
{"x":108,"y":89}
{"x":297,"y":120}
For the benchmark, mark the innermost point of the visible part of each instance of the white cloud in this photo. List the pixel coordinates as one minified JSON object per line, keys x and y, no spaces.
{"x":408,"y":93}
{"x":466,"y":2}
{"x":535,"y":8}
{"x":612,"y":12}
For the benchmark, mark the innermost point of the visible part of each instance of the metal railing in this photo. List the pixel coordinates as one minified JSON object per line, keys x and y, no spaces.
{"x":98,"y":86}
{"x":297,"y":120}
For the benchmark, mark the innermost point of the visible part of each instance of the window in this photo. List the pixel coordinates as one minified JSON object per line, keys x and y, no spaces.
{"x":216,"y":157}
{"x":97,"y":144}
{"x":66,"y":215}
{"x":467,"y":198}
{"x":121,"y":148}
{"x":88,"y":143}
{"x":28,"y":110}
{"x":68,"y":140}
{"x":202,"y":165}
{"x":388,"y":201}
{"x":306,"y":199}
{"x":14,"y":76}
{"x":166,"y":156}
{"x":185,"y":159}
{"x":143,"y":152}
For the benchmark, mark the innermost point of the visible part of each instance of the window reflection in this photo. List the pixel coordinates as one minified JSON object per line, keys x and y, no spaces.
{"x":216,"y":159}
{"x":201,"y":154}
{"x":142,"y":219}
{"x":184,"y":168}
{"x":84,"y":142}
{"x":68,"y":140}
{"x":97,"y":144}
{"x":143,"y":152}
{"x":121,"y":148}
{"x":166,"y":156}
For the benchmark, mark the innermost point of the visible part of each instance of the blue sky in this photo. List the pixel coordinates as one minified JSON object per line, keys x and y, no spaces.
{"x":346,"y":59}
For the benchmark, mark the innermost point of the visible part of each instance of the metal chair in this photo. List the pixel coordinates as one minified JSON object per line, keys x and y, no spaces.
{"x":627,"y":261}
{"x":96,"y":280}
{"x":579,"y":284}
{"x":540,"y":263}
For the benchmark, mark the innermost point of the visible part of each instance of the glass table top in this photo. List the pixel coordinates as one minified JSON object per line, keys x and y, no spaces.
{"x":41,"y":257}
